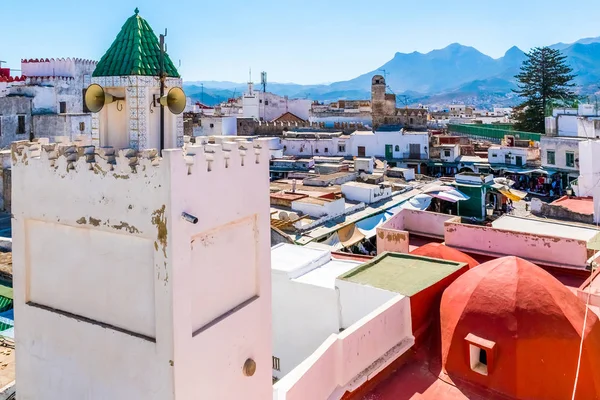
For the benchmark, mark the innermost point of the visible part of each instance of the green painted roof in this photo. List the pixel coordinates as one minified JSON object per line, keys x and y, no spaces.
{"x":402,"y":273}
{"x":135,"y":51}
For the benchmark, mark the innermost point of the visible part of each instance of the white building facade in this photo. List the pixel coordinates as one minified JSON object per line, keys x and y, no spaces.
{"x":266,"y":106}
{"x":389,"y":145}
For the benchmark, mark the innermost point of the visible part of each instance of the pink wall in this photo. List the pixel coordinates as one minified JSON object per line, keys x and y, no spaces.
{"x":539,"y":249}
{"x":395,"y":233}
{"x":394,"y":240}
{"x":350,"y":357}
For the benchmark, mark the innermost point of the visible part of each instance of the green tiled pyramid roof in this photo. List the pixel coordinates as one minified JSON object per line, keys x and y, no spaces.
{"x":135,"y":51}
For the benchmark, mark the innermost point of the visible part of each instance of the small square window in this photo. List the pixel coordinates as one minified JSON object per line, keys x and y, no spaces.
{"x":342,"y":148}
{"x":478,"y":359}
{"x":317,"y":151}
{"x":446,"y":153}
{"x":212,"y":125}
{"x":570,"y":159}
{"x":63,"y":107}
{"x":266,"y":102}
{"x":326,"y":150}
{"x":480,"y":353}
{"x":82,"y":126}
{"x":551,"y":157}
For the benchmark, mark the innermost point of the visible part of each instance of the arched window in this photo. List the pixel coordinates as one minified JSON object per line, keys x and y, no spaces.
{"x":397,"y":148}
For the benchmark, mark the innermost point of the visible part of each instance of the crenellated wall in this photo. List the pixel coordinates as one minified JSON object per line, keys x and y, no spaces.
{"x":141,"y":288}
{"x":57,"y":67}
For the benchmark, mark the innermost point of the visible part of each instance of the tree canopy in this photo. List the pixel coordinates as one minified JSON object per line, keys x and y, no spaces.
{"x":545,"y":80}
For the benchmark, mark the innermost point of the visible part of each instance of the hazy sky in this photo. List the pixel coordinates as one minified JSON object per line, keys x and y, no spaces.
{"x":302,"y":41}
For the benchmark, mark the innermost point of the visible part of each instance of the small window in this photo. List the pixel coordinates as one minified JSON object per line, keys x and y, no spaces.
{"x":260,"y":101}
{"x":326,"y":150}
{"x":212,"y":125}
{"x":446,"y":153}
{"x":82,"y":126}
{"x":570,"y":162}
{"x":551,"y":157}
{"x":276,"y":364}
{"x":494,"y":155}
{"x":397,"y":148}
{"x":0,"y":125}
{"x":21,"y":125}
{"x":266,"y":102}
{"x":342,"y":148}
{"x":317,"y":151}
{"x":479,"y":359}
{"x":62,"y":107}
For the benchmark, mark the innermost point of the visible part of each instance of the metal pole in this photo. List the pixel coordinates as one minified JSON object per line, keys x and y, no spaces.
{"x":162,"y":91}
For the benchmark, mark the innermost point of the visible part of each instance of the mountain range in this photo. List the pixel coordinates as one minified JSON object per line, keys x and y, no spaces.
{"x":454,"y":74}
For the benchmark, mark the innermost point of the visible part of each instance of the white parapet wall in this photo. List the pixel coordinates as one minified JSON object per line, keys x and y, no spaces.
{"x":347,"y":360}
{"x":119,"y":294}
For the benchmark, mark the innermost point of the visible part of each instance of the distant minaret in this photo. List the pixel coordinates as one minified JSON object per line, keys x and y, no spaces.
{"x":378,"y":94}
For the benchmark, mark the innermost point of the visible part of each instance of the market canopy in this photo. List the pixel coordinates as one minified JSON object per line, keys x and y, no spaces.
{"x":452,"y":195}
{"x":526,"y":171}
{"x":350,"y":235}
{"x":368,"y":226}
{"x":419,"y":202}
{"x":513,"y":194}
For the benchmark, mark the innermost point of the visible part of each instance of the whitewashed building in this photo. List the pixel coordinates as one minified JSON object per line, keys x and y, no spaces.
{"x":47,"y":101}
{"x":392,"y":145}
{"x":310,"y":304}
{"x":266,"y":106}
{"x":156,"y":304}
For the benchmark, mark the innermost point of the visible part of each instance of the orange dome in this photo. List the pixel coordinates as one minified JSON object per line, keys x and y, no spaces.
{"x":510,"y":326}
{"x":443,"y":252}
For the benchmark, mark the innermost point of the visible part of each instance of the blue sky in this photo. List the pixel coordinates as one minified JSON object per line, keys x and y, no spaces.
{"x":302,"y":41}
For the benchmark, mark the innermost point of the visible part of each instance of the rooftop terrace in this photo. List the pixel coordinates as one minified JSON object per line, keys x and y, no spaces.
{"x":402,"y":273}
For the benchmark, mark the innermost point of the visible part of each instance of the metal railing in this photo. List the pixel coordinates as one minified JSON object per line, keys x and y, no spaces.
{"x":491,"y":133}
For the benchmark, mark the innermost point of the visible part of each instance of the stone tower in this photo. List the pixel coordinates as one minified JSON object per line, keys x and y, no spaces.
{"x":378,"y":94}
{"x":140,"y":277}
{"x":130,"y":69}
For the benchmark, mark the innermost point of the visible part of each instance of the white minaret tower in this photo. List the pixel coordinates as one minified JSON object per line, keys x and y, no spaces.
{"x":139,"y":277}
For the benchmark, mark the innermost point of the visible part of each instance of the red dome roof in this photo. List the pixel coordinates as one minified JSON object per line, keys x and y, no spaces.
{"x":443,"y":252}
{"x":533,"y":325}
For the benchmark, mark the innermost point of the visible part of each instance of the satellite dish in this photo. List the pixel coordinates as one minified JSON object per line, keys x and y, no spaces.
{"x":284,"y":216}
{"x":96,"y":98}
{"x":174,"y":100}
{"x":293,"y":216}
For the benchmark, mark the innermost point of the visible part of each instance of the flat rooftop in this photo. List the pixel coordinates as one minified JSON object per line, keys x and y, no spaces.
{"x":360,"y":184}
{"x":309,"y":265}
{"x":326,"y":274}
{"x":581,"y":205}
{"x":402,"y":273}
{"x":539,"y":227}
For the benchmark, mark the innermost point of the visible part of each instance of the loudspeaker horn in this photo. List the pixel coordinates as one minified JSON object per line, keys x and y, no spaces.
{"x":174,"y":100}
{"x":96,"y":98}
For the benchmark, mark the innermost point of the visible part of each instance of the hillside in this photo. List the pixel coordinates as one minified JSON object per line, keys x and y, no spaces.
{"x":456,"y":73}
